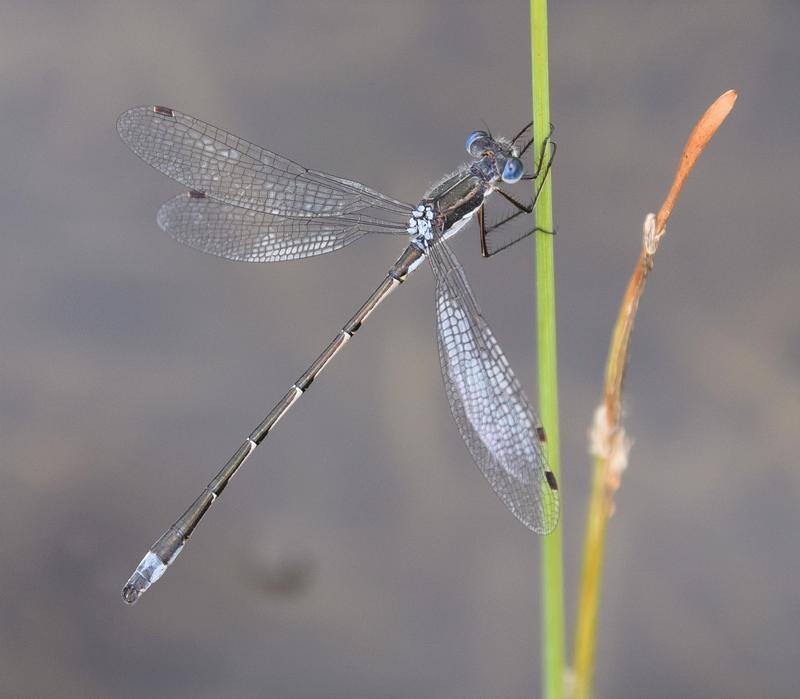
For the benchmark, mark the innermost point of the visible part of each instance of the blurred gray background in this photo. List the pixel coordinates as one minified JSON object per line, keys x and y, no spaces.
{"x":361,"y":554}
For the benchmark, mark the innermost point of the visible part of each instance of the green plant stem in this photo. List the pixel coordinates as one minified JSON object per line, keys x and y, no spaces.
{"x":552,"y":591}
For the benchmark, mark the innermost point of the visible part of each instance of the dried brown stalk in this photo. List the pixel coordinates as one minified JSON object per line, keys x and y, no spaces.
{"x":609,"y":444}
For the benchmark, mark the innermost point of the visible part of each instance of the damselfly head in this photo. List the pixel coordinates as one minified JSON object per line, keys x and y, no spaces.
{"x":498,"y":159}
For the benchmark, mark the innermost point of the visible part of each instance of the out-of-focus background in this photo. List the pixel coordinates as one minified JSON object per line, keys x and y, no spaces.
{"x":361,"y":554}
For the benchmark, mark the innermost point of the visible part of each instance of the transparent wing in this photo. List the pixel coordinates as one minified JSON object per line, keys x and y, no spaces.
{"x":490,"y":409}
{"x":252,"y":236}
{"x":208,"y":159}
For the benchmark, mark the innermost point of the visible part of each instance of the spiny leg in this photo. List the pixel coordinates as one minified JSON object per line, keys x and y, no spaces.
{"x":522,"y":131}
{"x":536,"y":229}
{"x":547,"y":145}
{"x":482,"y":230}
{"x":547,"y":139}
{"x":523,"y":208}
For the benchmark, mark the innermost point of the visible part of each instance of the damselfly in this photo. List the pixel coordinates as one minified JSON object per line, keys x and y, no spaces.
{"x":249,"y":204}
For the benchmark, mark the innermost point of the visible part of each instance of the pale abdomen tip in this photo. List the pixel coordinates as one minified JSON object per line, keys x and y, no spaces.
{"x":130,"y":593}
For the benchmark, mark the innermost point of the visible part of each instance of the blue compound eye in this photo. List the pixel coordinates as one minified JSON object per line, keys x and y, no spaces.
{"x":477,"y":142}
{"x":513,"y":170}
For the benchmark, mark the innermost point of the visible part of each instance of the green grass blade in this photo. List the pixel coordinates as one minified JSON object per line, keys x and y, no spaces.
{"x":552,"y":589}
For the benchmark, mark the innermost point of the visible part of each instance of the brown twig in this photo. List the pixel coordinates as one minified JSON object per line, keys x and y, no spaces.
{"x":609,"y":444}
{"x":654,"y":229}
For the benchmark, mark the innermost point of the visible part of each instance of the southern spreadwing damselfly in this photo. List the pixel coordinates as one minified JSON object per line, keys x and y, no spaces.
{"x":247,"y":203}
